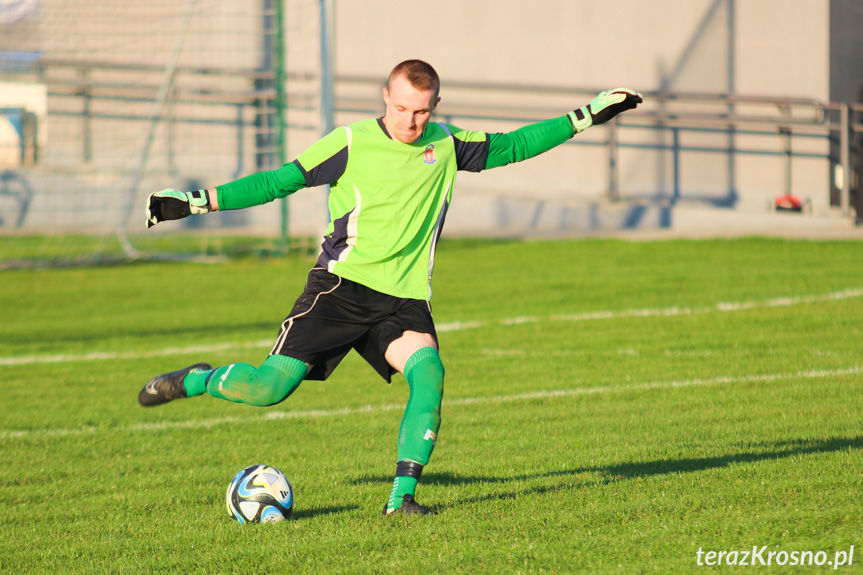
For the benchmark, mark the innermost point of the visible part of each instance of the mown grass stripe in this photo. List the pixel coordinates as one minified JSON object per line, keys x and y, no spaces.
{"x":466,"y":401}
{"x":452,"y":326}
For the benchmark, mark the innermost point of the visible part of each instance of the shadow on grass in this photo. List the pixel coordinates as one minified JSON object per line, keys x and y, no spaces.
{"x":781,"y":450}
{"x":631,"y":470}
{"x":312,"y":513}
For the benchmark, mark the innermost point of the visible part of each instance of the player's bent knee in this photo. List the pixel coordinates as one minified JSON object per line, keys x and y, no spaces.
{"x":277,"y":379}
{"x":425,"y":364}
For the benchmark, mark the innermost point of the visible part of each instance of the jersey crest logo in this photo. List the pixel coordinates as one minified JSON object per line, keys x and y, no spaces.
{"x":429,"y":155}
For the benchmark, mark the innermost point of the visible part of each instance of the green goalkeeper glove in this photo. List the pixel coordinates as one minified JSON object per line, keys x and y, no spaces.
{"x":173,"y":205}
{"x":604,"y":107}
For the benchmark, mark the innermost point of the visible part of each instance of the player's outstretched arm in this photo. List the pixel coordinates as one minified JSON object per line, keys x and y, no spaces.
{"x":174,"y":205}
{"x":604,"y":107}
{"x":534,"y":139}
{"x":254,"y":190}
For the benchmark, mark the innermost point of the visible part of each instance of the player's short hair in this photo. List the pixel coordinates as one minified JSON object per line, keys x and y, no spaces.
{"x":420,"y":75}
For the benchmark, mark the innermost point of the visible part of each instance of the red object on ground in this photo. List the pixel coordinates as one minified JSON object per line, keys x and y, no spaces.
{"x":788,"y":202}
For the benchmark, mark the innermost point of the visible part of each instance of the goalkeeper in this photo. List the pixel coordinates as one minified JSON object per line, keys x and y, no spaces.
{"x":391,"y":183}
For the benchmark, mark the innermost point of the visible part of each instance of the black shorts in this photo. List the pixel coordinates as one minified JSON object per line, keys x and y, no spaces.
{"x":334,"y":315}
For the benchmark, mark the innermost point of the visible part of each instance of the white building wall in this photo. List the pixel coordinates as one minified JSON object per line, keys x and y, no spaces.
{"x":777,"y":48}
{"x":772,"y":48}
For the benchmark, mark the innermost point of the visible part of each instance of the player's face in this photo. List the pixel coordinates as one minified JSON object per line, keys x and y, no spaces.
{"x":408,"y":110}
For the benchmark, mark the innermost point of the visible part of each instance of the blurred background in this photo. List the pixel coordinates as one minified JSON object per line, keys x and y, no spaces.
{"x":752,"y":124}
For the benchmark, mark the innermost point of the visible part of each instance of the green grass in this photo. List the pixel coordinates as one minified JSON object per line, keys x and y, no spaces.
{"x":64,"y":250}
{"x":628,"y":417}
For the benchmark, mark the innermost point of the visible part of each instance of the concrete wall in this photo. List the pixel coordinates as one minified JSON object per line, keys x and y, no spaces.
{"x":749,"y":47}
{"x":765,"y":47}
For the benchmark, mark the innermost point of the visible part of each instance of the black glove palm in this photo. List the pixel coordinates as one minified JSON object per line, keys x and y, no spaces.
{"x":604,"y":107}
{"x":173,"y":205}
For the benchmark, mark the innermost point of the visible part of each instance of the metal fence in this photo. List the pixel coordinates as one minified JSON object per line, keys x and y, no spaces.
{"x":776,"y":123}
{"x":242,"y":107}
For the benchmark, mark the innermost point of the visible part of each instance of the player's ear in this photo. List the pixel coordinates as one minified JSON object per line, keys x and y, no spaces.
{"x":436,"y":102}
{"x":386,"y":96}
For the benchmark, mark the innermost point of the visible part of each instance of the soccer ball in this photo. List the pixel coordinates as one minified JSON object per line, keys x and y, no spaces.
{"x":260,"y":494}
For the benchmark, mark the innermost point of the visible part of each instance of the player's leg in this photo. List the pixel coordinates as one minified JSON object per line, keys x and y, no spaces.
{"x":306,"y":339}
{"x":416,"y":356}
{"x":271,"y":383}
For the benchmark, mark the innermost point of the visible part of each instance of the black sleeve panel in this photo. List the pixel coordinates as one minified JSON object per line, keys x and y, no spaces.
{"x":327,"y":172}
{"x":471,"y":156}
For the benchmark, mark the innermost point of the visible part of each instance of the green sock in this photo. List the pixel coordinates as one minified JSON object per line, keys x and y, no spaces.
{"x":421,"y":422}
{"x":195,"y":382}
{"x":271,"y":383}
{"x":402,"y":486}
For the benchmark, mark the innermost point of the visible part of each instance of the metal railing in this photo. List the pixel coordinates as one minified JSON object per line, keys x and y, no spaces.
{"x":668,"y":112}
{"x":209,"y":88}
{"x":673,"y":112}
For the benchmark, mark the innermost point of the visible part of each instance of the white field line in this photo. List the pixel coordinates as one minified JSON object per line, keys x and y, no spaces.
{"x":719,"y":307}
{"x":113,"y":355}
{"x":453,"y":326}
{"x":369,"y":409}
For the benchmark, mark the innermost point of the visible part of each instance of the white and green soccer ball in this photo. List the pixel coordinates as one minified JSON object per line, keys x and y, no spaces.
{"x":260,"y":494}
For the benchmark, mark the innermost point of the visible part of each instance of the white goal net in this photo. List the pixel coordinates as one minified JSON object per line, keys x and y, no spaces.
{"x":105,"y":101}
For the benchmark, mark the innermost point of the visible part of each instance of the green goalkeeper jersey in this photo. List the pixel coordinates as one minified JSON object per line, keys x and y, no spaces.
{"x":388,"y":200}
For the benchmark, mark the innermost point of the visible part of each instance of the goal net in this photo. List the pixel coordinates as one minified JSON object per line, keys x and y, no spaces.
{"x":103,"y":102}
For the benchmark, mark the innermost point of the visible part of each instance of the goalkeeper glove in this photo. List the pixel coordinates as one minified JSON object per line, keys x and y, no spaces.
{"x":173,"y":205}
{"x":604,"y":107}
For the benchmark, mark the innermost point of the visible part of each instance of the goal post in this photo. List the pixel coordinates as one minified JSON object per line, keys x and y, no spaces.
{"x":159,"y":108}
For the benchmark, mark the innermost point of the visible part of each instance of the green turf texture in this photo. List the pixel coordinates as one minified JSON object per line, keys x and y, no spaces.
{"x":607,"y":410}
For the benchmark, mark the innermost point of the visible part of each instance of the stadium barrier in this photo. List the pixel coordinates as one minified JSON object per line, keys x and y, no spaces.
{"x":230,"y":113}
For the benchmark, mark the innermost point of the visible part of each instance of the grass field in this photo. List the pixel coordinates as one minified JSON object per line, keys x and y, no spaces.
{"x":610,"y":407}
